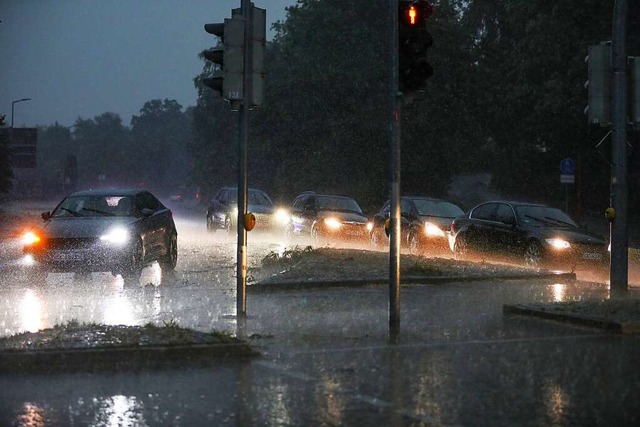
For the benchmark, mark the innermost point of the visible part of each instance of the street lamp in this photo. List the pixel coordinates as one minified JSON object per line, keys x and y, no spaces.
{"x":14,"y":103}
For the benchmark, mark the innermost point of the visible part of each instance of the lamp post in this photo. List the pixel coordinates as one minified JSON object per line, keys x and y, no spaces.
{"x":14,"y":103}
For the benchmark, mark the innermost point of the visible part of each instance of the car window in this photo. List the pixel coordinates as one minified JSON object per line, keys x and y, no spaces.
{"x":439,"y":208}
{"x":147,"y":201}
{"x":505,"y":214}
{"x":223,"y":196}
{"x":544,"y":216}
{"x":484,"y":212}
{"x":259,"y":198}
{"x":94,"y":205}
{"x":342,"y":204}
{"x":406,"y":206}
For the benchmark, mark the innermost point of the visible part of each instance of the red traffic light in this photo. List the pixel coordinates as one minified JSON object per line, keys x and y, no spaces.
{"x":415,"y":13}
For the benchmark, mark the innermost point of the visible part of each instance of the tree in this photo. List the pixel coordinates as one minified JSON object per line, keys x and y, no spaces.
{"x":159,"y":137}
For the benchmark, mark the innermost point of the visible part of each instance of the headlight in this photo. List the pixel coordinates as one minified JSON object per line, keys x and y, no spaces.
{"x":558,"y":243}
{"x":282,"y":216}
{"x":332,"y":223}
{"x":29,"y":238}
{"x":369,"y":226}
{"x":432,"y":230}
{"x":116,"y":236}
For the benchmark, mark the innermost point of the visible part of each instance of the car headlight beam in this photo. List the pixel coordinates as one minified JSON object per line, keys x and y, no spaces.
{"x":30,"y":238}
{"x":116,"y":236}
{"x":433,"y":230}
{"x":332,"y":223}
{"x":558,"y":243}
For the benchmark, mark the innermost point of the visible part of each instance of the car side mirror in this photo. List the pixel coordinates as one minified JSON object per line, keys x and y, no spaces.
{"x":147,"y":212}
{"x":45,"y":215}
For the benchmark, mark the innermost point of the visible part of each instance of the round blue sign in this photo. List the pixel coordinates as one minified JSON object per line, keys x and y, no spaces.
{"x":567,"y":166}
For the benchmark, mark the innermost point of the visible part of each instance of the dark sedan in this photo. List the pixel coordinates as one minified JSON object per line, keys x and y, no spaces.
{"x":222,"y":213}
{"x":424,"y":224}
{"x":326,"y":217}
{"x":538,"y":235}
{"x":118,"y":230}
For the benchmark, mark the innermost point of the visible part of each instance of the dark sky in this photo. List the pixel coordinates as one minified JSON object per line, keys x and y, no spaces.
{"x":82,"y":58}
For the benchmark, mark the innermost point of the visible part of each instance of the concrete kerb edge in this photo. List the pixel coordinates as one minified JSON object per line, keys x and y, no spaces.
{"x":298,"y":284}
{"x":130,"y":357}
{"x":608,"y":325}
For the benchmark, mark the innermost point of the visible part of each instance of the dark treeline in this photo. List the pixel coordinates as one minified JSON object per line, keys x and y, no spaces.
{"x":507,"y":99}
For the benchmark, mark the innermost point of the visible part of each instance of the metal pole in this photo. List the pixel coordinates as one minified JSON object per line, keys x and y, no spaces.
{"x":619,"y":191}
{"x":12,"y":107}
{"x":241,"y":300}
{"x":394,"y":180}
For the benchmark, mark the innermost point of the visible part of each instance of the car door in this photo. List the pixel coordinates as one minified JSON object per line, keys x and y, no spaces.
{"x":502,"y":231}
{"x":309,"y":214}
{"x":478,"y":231}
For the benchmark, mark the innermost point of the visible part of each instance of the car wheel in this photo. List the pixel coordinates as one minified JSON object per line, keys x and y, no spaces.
{"x":228,"y":226}
{"x":315,"y":235}
{"x":415,"y":246}
{"x":460,"y":248}
{"x":132,"y":268}
{"x":171,"y":258}
{"x":288,"y":232}
{"x":533,"y":254}
{"x":375,"y":240}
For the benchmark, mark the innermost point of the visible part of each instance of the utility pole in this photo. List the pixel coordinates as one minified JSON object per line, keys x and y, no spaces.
{"x":619,"y":273}
{"x":394,"y":180}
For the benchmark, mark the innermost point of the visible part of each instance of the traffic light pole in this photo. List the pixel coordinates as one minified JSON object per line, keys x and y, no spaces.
{"x":243,"y":138}
{"x":394,"y":180}
{"x":619,"y":274}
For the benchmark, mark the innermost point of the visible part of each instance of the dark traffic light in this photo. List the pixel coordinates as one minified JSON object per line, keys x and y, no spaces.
{"x":413,"y":42}
{"x":598,"y":85}
{"x":228,"y":57}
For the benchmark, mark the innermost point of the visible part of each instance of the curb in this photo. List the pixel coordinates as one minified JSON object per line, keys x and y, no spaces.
{"x":108,"y":358}
{"x":581,"y":320}
{"x":300,"y":284}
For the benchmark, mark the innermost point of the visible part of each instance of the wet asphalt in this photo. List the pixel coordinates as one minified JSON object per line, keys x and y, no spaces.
{"x":326,"y":355}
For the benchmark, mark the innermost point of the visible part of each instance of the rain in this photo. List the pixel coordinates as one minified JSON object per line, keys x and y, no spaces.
{"x":452,"y":131}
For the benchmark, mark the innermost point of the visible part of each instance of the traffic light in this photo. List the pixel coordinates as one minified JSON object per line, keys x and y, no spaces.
{"x":228,"y":57}
{"x":258,"y":40}
{"x":413,"y":42}
{"x":599,"y":84}
{"x":634,"y":73}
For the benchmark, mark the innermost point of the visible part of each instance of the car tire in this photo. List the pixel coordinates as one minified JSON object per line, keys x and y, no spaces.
{"x":132,"y":269}
{"x":315,"y":235}
{"x":460,"y":248}
{"x":375,"y":240}
{"x":533,"y":254}
{"x":169,"y":261}
{"x":415,"y":245}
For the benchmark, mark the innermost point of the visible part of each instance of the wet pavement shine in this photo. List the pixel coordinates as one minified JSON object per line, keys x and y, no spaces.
{"x":326,"y":355}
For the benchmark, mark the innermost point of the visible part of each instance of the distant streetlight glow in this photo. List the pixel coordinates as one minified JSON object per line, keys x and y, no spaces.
{"x":14,"y":103}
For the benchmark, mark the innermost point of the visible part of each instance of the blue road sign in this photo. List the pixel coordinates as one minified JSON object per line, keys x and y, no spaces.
{"x":567,"y":166}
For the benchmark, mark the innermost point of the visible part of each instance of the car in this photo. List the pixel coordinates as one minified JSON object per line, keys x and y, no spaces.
{"x":117,"y":230}
{"x":222,"y":213}
{"x":424,"y":224}
{"x":326,"y":217}
{"x":537,"y":235}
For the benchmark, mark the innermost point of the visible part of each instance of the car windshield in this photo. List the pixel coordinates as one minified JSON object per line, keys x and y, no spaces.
{"x":439,"y":208}
{"x":340,"y":204}
{"x":254,"y":197}
{"x":544,"y":216}
{"x":91,"y":206}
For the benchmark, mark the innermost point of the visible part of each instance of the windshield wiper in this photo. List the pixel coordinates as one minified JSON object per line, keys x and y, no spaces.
{"x":98,"y":211}
{"x":559,"y":221}
{"x":72,"y":212}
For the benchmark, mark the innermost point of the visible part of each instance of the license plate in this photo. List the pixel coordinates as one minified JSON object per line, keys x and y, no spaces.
{"x":66,"y":256}
{"x":592,"y":256}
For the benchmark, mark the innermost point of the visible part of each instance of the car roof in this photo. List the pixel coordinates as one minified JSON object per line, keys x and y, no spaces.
{"x":109,"y":192}
{"x":513,"y":203}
